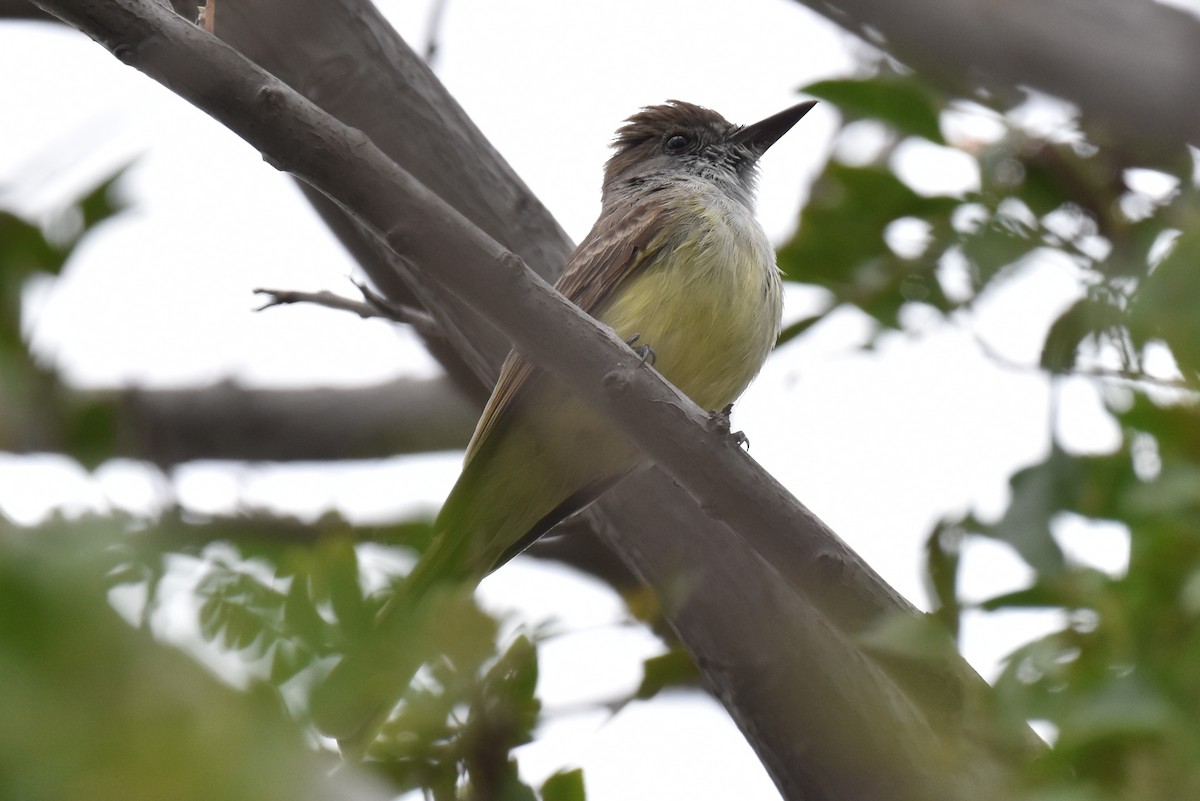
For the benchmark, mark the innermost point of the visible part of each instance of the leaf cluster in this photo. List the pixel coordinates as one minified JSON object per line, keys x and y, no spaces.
{"x":94,"y":708}
{"x":31,"y":252}
{"x":1117,"y":683}
{"x":291,"y":609}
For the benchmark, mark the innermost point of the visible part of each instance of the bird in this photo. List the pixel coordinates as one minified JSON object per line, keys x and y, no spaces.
{"x":676,"y":261}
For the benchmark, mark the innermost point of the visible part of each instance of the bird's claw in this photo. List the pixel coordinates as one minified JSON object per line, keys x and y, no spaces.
{"x":644,"y":351}
{"x":720,"y":424}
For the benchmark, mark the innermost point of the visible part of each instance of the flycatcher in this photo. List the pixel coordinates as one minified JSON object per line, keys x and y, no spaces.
{"x":677,"y":261}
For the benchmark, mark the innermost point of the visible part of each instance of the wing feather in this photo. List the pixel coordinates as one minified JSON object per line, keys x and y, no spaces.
{"x":624,"y":239}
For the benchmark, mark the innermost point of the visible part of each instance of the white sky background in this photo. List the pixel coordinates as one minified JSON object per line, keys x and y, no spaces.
{"x":880,"y":445}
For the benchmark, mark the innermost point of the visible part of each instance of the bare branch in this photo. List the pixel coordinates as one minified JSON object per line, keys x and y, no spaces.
{"x":375,"y":306}
{"x":226,"y":421}
{"x":1130,"y":376}
{"x":1130,"y":65}
{"x":330,"y":300}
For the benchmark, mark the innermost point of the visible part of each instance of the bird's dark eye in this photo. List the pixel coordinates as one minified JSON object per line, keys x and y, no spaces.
{"x":677,"y":143}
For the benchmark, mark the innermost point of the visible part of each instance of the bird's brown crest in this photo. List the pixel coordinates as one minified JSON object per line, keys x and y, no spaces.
{"x":652,"y":123}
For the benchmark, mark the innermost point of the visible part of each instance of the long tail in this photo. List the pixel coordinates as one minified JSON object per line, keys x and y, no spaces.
{"x":355,"y":699}
{"x":552,"y":459}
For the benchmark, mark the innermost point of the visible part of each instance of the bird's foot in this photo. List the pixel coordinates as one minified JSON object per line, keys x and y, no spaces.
{"x":720,"y":423}
{"x":645,"y":351}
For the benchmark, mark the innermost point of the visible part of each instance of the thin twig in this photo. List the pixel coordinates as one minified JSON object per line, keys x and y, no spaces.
{"x":1108,"y":374}
{"x":422,"y":322}
{"x":282,"y":297}
{"x":373,"y":307}
{"x":434,"y":32}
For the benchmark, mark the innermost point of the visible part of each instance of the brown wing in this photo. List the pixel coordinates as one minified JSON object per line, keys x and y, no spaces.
{"x":622,"y":240}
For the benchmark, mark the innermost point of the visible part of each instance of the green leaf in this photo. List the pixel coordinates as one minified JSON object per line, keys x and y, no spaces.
{"x":300,"y":614}
{"x":1174,"y":492}
{"x":513,"y":789}
{"x":1042,"y":595}
{"x":1078,"y":588}
{"x":1027,"y":672}
{"x":998,"y":243}
{"x":1090,"y":486}
{"x":102,"y":202}
{"x":908,"y":105}
{"x":1176,"y":429}
{"x":287,"y":659}
{"x":239,"y":610}
{"x":1072,"y":791}
{"x":1041,"y":189}
{"x":1086,"y":317}
{"x":91,"y":433}
{"x":243,"y":628}
{"x":422,"y":721}
{"x":507,"y":709}
{"x":564,"y":786}
{"x":793,"y":330}
{"x":1038,"y":493}
{"x":909,"y":636}
{"x":840,"y":242}
{"x":24,"y":250}
{"x":1132,"y":245}
{"x":516,"y":672}
{"x":1124,"y":706}
{"x":942,"y":555}
{"x":675,"y":668}
{"x":461,"y":631}
{"x":339,"y":563}
{"x":1162,"y":307}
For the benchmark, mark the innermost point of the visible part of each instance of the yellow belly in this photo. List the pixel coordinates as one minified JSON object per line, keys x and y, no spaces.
{"x":709,"y":305}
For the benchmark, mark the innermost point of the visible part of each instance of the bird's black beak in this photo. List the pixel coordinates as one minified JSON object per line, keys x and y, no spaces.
{"x":761,"y":135}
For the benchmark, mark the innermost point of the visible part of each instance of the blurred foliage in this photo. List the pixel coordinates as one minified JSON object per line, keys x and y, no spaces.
{"x":95,"y":709}
{"x":673,"y":669}
{"x":289,"y":598}
{"x":85,"y":430}
{"x":1118,"y":683}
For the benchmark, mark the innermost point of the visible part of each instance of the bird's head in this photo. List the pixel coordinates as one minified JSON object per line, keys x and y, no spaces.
{"x":678,"y":139}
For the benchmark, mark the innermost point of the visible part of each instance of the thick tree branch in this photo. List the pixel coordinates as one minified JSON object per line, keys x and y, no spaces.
{"x":168,"y":427}
{"x":1130,"y":65}
{"x":928,"y":745}
{"x":23,"y":9}
{"x":226,"y":421}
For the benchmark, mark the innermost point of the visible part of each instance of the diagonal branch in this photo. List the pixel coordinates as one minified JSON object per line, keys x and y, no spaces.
{"x":1130,"y":65}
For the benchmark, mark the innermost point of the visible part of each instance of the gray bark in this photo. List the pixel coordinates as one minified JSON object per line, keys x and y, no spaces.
{"x":1130,"y":66}
{"x":168,"y":427}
